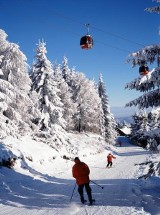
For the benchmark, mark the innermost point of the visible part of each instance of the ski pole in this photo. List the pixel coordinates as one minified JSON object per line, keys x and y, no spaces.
{"x":97,"y":184}
{"x":73,"y":191}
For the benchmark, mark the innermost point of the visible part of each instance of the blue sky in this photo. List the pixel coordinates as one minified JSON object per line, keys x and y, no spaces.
{"x":118,"y":28}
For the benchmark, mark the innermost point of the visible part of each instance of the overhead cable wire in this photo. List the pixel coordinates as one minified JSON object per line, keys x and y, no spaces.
{"x":115,"y":47}
{"x":95,"y":41}
{"x":98,"y":29}
{"x":115,"y":35}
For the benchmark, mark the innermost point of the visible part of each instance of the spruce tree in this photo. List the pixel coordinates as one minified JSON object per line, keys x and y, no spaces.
{"x":109,"y":125}
{"x":14,"y":87}
{"x":86,"y":96}
{"x":85,"y":100}
{"x":65,"y":70}
{"x":147,"y":83}
{"x":66,"y":98}
{"x":49,"y":103}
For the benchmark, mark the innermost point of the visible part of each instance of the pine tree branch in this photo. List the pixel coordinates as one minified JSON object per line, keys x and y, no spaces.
{"x":151,"y":99}
{"x":147,"y":54}
{"x":155,"y":9}
{"x":145,"y":83}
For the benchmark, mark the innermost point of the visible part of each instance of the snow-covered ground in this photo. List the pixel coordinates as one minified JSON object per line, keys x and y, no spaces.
{"x":42,"y":184}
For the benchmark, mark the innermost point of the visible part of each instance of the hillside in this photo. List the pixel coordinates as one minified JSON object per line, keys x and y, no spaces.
{"x":41,"y":182}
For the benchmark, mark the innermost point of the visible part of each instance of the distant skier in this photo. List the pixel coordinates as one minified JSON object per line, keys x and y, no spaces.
{"x":80,"y":172}
{"x":109,"y":160}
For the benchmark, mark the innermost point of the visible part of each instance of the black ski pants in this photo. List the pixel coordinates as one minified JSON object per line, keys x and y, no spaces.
{"x":109,"y":164}
{"x":88,"y":191}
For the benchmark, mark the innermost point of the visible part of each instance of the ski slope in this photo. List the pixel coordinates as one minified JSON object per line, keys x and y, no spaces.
{"x":27,"y":191}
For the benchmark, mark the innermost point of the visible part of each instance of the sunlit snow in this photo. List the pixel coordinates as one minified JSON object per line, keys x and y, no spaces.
{"x":41,"y":182}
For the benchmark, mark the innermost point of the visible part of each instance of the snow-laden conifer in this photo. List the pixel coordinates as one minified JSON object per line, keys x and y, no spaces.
{"x":109,"y":125}
{"x":15,"y":85}
{"x":86,"y":98}
{"x":66,"y":98}
{"x":49,"y":103}
{"x":65,"y":70}
{"x":148,"y":84}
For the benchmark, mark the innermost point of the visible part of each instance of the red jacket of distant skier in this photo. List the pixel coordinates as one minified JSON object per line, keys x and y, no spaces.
{"x":110,"y":157}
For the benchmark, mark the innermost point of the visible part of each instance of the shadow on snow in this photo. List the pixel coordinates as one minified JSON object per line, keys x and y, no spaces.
{"x":50,"y":192}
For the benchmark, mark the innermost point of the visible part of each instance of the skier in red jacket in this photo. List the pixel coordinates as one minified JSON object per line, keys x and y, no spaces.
{"x":109,"y":160}
{"x":80,"y":172}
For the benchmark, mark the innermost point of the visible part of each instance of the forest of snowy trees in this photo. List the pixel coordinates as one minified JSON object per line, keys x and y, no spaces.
{"x":43,"y":99}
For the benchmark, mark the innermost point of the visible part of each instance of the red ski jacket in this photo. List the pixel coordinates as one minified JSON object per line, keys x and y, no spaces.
{"x":80,"y":172}
{"x":109,"y":157}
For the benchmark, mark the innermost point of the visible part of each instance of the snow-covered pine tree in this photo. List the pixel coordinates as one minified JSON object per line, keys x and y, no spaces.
{"x":66,"y":98}
{"x":109,"y":125}
{"x":140,"y":128}
{"x":143,"y":121}
{"x":65,"y":70}
{"x":154,"y":119}
{"x":86,"y":98}
{"x":135,"y":128}
{"x":49,"y":103}
{"x":149,"y":83}
{"x":14,"y":88}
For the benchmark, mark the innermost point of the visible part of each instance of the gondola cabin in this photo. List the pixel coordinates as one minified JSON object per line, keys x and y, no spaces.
{"x":143,"y":70}
{"x":86,"y":42}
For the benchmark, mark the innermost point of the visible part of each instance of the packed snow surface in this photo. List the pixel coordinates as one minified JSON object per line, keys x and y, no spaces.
{"x":43,"y":184}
